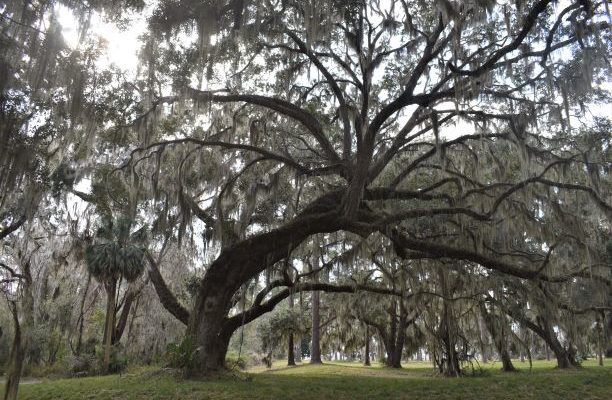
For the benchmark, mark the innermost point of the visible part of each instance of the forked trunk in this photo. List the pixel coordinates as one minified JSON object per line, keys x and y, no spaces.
{"x":544,"y":329}
{"x":498,"y":329}
{"x":208,"y":326}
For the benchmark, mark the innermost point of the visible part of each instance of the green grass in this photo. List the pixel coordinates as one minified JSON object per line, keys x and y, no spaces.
{"x":340,"y":381}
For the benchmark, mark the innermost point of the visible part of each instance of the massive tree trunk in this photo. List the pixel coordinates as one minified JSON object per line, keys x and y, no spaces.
{"x":236,"y":265}
{"x":206,"y":324}
{"x":111,"y":291}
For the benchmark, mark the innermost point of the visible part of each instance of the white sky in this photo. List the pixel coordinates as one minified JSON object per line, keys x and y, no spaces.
{"x":122,"y":45}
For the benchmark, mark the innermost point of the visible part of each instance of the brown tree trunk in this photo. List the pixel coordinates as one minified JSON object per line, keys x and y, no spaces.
{"x":607,"y":337}
{"x":290,"y":351}
{"x":131,"y":295}
{"x":565,"y":358}
{"x":290,"y":341}
{"x":498,"y":328}
{"x":15,"y":364}
{"x":165,"y":295}
{"x":208,"y":326}
{"x":507,"y":365}
{"x":366,"y":355}
{"x":380,"y":348}
{"x":544,"y":329}
{"x":111,"y":291}
{"x":482,"y":338}
{"x":315,"y":352}
{"x":395,"y":337}
{"x":400,"y":338}
{"x":81,"y":320}
{"x":600,"y":334}
{"x":450,"y":361}
{"x":390,"y":337}
{"x":210,"y":341}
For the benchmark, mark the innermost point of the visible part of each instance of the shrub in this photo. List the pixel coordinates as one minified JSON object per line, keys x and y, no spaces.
{"x":232,"y":361}
{"x":84,"y":364}
{"x":180,"y":355}
{"x":118,"y":361}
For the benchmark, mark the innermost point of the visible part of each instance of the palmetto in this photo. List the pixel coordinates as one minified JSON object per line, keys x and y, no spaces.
{"x":114,"y":254}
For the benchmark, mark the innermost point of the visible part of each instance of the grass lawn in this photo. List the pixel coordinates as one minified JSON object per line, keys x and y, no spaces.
{"x":338,"y":381}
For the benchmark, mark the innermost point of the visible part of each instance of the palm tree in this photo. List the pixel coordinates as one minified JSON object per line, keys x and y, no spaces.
{"x":115,"y":254}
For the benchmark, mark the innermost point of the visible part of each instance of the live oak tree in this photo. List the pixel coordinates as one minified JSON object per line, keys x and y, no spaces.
{"x":457,"y":132}
{"x":306,"y":118}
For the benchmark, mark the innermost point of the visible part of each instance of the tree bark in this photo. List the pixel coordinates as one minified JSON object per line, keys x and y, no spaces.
{"x":315,"y":352}
{"x":290,"y":341}
{"x":165,"y":295}
{"x":206,"y":326}
{"x":607,"y":322}
{"x":111,"y":291}
{"x":366,"y":351}
{"x":497,"y":328}
{"x":400,"y":337}
{"x":132,"y":294}
{"x":449,"y":362}
{"x":237,"y":264}
{"x":81,"y":320}
{"x":482,"y":338}
{"x":290,"y":351}
{"x":544,"y":329}
{"x":600,"y":338}
{"x":565,"y":358}
{"x":15,"y":364}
